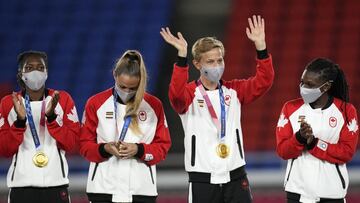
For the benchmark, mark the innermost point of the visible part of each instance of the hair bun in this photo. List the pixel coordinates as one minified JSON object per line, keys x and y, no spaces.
{"x":133,"y":56}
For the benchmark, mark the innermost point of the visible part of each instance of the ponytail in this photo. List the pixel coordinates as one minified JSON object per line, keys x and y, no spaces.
{"x":131,"y":63}
{"x":340,"y":87}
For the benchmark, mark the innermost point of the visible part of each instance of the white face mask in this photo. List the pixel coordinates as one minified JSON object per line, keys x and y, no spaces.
{"x":124,"y":96}
{"x":310,"y":95}
{"x":213,"y":74}
{"x":34,"y":79}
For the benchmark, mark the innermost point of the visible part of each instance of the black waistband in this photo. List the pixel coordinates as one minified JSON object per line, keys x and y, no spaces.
{"x":205,"y":177}
{"x":51,"y":187}
{"x":296,"y":197}
{"x":108,"y":197}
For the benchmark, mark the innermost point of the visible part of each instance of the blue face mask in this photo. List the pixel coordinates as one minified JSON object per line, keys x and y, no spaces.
{"x":213,"y":74}
{"x":310,"y":95}
{"x":124,"y":96}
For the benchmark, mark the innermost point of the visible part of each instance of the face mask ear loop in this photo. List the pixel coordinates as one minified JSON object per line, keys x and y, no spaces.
{"x":23,"y":69}
{"x":327,"y":82}
{"x":22,"y":72}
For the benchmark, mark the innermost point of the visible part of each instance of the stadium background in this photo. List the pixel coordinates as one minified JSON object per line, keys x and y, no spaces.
{"x":83,"y":38}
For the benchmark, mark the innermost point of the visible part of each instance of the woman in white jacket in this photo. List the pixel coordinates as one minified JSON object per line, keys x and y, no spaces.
{"x":38,"y":125}
{"x":124,"y":134}
{"x":318,"y":134}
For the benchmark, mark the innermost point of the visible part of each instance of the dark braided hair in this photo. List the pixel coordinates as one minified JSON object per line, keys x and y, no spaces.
{"x":330,"y":71}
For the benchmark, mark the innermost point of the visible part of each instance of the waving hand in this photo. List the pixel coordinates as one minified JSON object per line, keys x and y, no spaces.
{"x":256,"y":31}
{"x":178,"y":42}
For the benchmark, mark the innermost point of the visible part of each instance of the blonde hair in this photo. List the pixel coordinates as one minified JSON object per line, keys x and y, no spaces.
{"x":205,"y":44}
{"x":131,"y":63}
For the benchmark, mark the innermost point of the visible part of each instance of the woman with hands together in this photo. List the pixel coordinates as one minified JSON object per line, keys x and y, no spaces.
{"x":124,"y":135}
{"x":318,"y":134}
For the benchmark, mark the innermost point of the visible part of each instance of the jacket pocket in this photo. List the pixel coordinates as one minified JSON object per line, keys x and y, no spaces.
{"x":151,"y":174}
{"x":340,"y":175}
{"x":94,"y":172}
{"x":13,"y":173}
{"x":291,"y":166}
{"x":239,"y":143}
{"x":193,"y":148}
{"x":61,"y":163}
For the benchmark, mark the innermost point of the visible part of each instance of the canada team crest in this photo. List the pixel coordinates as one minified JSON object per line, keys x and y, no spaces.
{"x":227,"y":99}
{"x":332,"y":122}
{"x":142,"y":115}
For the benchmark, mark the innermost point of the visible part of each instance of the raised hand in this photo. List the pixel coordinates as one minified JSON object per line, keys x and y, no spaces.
{"x":19,"y":106}
{"x":178,"y":42}
{"x":50,"y":109}
{"x":256,"y":32}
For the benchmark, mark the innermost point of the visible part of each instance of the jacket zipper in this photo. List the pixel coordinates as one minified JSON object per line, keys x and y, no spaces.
{"x":62,"y":163}
{"x":93,"y":175}
{"x":291,"y":165}
{"x":239,"y":143}
{"x":13,"y":173}
{"x":151,"y":173}
{"x":193,"y":148}
{"x":340,"y":175}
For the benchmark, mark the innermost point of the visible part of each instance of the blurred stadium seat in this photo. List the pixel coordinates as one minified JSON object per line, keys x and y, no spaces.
{"x":82,"y":38}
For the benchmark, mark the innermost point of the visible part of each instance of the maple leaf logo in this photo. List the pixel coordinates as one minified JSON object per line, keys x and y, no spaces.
{"x":282,"y":121}
{"x":73,"y":115}
{"x":353,"y":126}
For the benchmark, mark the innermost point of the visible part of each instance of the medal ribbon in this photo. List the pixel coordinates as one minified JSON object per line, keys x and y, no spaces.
{"x":220,"y":125}
{"x":30,"y":117}
{"x":126,"y":122}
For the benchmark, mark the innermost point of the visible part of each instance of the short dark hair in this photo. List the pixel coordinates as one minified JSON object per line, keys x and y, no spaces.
{"x":21,"y":60}
{"x":24,"y":55}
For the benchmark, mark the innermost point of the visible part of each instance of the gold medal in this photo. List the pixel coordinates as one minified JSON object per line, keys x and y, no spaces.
{"x":40,"y":159}
{"x":222,"y":150}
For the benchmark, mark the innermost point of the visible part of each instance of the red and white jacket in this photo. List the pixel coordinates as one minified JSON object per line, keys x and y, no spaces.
{"x":123,"y":178}
{"x":60,"y":137}
{"x":201,"y":134}
{"x":317,"y":170}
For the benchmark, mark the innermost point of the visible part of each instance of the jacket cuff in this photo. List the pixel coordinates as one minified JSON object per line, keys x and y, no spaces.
{"x":181,"y":62}
{"x":140,"y":152}
{"x":262,"y":54}
{"x":299,"y":138}
{"x":103,"y":152}
{"x":20,"y":123}
{"x":312,"y":144}
{"x":51,"y":118}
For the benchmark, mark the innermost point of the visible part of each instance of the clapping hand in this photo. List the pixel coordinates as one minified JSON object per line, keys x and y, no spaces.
{"x":50,"y":109}
{"x":19,"y":106}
